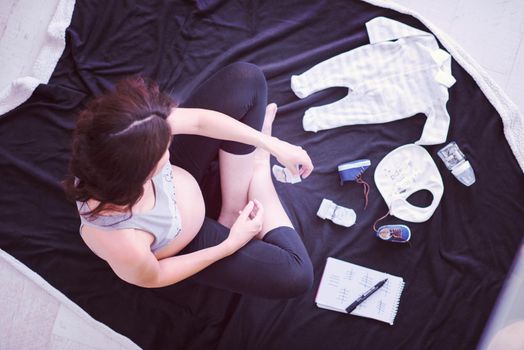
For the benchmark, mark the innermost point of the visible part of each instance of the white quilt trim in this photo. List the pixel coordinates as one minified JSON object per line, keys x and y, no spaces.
{"x":512,"y":119}
{"x":20,"y":89}
{"x":70,"y":306}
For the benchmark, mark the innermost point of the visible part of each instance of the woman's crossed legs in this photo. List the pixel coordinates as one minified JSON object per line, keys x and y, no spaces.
{"x":277,"y":264}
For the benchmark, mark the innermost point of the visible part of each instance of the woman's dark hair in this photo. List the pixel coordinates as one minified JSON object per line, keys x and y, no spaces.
{"x":118,"y":140}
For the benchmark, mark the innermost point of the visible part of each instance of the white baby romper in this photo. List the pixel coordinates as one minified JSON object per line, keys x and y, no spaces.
{"x":387,"y":80}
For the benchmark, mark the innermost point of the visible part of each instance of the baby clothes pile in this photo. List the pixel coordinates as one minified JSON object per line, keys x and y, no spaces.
{"x":400,"y":73}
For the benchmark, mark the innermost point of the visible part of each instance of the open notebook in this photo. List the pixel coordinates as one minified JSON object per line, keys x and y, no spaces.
{"x":342,"y":283}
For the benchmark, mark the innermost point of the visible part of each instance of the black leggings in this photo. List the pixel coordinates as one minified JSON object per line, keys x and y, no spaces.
{"x":277,"y":266}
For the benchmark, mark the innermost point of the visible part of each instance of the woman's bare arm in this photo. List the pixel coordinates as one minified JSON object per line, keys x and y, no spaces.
{"x":141,"y":267}
{"x":133,"y":261}
{"x":220,"y":126}
{"x":205,"y":122}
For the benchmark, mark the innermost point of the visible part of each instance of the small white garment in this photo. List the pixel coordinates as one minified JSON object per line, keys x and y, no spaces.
{"x":284,"y":175}
{"x":404,"y":171}
{"x":336,"y":213}
{"x":387,"y":80}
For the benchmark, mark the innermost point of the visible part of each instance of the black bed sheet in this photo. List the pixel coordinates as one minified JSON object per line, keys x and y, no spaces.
{"x":457,"y":260}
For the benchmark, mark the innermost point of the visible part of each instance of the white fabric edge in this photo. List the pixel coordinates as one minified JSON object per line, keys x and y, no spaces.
{"x":125,"y":342}
{"x":512,"y":118}
{"x":20,"y":89}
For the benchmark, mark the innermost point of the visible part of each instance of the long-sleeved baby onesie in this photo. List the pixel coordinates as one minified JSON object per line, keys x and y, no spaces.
{"x":387,"y":80}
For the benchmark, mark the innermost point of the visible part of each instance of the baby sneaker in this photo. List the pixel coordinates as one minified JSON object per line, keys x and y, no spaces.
{"x":352,"y":171}
{"x":394,"y":233}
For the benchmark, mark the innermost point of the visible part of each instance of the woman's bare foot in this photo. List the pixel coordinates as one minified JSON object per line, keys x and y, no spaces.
{"x":261,"y":155}
{"x":261,"y":173}
{"x":271,"y":112}
{"x":261,"y":160}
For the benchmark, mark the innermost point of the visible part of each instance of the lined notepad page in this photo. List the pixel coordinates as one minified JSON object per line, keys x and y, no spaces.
{"x":343,"y":282}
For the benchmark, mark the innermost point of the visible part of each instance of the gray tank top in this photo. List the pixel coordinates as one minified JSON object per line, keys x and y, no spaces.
{"x":163,"y":221}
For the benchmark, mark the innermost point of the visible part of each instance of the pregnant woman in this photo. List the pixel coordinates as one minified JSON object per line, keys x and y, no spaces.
{"x":137,"y":171}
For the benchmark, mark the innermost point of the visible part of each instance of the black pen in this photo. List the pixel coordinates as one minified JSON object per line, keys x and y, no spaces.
{"x":364,"y":296}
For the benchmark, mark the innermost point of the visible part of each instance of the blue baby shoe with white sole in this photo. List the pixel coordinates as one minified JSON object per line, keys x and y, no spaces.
{"x":352,"y":171}
{"x":394,"y":233}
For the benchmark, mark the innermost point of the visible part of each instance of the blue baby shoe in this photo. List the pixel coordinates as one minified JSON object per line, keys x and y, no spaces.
{"x":394,"y":233}
{"x":352,"y":171}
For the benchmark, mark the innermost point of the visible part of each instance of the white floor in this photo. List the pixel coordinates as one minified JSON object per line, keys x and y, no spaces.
{"x":34,"y":315}
{"x":491,"y":31}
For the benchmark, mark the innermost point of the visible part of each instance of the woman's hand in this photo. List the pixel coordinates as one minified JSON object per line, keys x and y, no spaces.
{"x":294,"y":158}
{"x":247,"y":226}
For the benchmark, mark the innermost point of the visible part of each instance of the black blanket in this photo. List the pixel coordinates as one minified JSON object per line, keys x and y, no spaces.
{"x":457,"y":260}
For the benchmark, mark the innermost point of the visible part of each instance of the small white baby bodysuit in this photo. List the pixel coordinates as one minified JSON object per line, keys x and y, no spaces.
{"x":387,"y":80}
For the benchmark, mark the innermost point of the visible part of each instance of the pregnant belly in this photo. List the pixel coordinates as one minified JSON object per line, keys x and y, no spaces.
{"x":190,"y":205}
